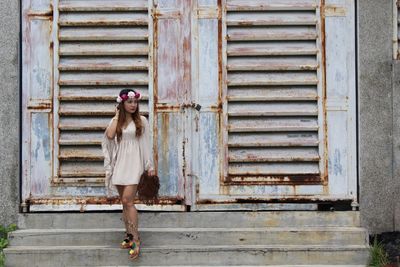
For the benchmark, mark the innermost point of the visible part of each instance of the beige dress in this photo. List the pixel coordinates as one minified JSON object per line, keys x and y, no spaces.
{"x":128,"y":166}
{"x":126,"y":160}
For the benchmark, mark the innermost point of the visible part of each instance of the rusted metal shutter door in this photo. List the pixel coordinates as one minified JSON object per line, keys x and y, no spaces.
{"x":171,"y":92}
{"x":102,"y":47}
{"x":275,"y":91}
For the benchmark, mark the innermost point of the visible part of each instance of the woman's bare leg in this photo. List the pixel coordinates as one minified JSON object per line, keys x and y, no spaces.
{"x":120,"y":189}
{"x":131,"y":214}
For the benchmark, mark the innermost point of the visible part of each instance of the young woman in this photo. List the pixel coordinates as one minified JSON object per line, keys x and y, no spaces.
{"x":127,"y":154}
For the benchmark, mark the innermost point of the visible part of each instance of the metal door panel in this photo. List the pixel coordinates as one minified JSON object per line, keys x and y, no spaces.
{"x":171,"y":93}
{"x":36,"y":98}
{"x":206,"y":91}
{"x":341,"y":98}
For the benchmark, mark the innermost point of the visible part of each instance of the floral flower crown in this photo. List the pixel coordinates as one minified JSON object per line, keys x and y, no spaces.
{"x":131,"y":94}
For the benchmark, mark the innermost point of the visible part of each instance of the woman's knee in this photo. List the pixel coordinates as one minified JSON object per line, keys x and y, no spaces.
{"x":127,"y":201}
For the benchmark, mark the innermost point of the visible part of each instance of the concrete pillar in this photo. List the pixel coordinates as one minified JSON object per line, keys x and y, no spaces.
{"x":9,"y":111}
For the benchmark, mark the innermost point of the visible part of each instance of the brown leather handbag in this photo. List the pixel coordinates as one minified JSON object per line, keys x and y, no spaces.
{"x":148,"y":188}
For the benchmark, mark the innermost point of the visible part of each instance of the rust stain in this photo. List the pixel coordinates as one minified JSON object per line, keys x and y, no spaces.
{"x":45,"y":14}
{"x":271,"y":179}
{"x":164,"y":107}
{"x":283,"y":199}
{"x":155,"y":86}
{"x":165,"y":138}
{"x":40,"y":105}
{"x":323,"y":97}
{"x":106,"y":23}
{"x":92,"y":201}
{"x":221,"y":116}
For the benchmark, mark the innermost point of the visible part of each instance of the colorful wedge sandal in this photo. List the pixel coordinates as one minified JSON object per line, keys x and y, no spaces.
{"x":135,"y":250}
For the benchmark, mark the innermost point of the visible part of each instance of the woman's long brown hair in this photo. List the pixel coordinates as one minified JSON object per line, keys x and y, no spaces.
{"x":122,"y":118}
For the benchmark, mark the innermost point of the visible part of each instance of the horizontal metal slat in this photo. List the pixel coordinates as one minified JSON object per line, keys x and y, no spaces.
{"x":89,"y":137}
{"x":103,"y":19}
{"x":273,"y":128}
{"x":96,"y":93}
{"x":271,"y":64}
{"x":82,"y":169}
{"x":77,"y":127}
{"x":270,"y":19}
{"x":90,"y":123}
{"x":269,"y":128}
{"x":273,"y":155}
{"x":271,"y":33}
{"x":103,"y":5}
{"x":102,"y":64}
{"x":82,"y":174}
{"x":245,"y":5}
{"x":273,"y":168}
{"x":91,"y":98}
{"x":282,"y":93}
{"x":273,"y":109}
{"x":272,"y":124}
{"x":79,"y":181}
{"x":102,"y":34}
{"x":273,"y":78}
{"x":89,"y":109}
{"x":104,"y":49}
{"x":106,"y":78}
{"x":273,"y":140}
{"x":273,"y":113}
{"x":271,"y":48}
{"x":82,"y":153}
{"x":79,"y":142}
{"x":67,"y":112}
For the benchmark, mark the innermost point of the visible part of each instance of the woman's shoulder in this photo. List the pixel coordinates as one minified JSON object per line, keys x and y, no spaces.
{"x":143,"y":118}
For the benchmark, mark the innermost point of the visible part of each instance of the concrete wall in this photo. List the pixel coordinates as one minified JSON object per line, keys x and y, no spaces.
{"x":9,"y":111}
{"x":379,"y":107}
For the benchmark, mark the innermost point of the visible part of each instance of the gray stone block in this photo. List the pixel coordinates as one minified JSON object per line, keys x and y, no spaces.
{"x":9,"y":111}
{"x":376,"y":114}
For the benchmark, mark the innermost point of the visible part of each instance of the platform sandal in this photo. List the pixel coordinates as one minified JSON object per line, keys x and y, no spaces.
{"x":135,"y":250}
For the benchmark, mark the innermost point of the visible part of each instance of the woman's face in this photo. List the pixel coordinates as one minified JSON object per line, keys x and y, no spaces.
{"x":130,"y":105}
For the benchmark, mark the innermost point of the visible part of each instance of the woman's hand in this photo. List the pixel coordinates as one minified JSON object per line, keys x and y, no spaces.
{"x":151,"y":172}
{"x":116,"y":116}
{"x":112,"y":127}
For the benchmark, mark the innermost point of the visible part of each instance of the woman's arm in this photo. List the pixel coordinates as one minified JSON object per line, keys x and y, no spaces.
{"x":112,"y":127}
{"x":146,"y":147}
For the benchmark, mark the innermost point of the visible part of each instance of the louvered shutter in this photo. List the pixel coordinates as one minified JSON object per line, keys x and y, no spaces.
{"x":274,"y":91}
{"x":102,"y":48}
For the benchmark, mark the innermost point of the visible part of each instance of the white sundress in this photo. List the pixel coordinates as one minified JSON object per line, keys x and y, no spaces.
{"x":124,"y":162}
{"x":128,"y":165}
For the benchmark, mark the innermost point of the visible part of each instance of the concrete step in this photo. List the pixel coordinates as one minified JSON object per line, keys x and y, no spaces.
{"x":314,"y":265}
{"x":194,"y":236}
{"x":192,"y":219}
{"x":44,"y":256}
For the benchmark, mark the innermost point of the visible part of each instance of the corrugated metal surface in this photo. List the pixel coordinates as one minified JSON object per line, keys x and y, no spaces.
{"x":102,"y":47}
{"x":274,"y":87}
